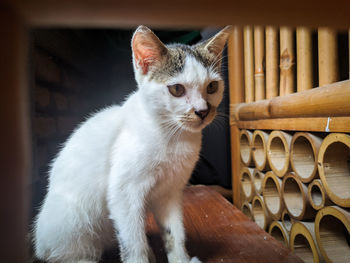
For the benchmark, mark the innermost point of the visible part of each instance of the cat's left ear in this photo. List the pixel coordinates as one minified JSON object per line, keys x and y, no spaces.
{"x":148,"y":50}
{"x":216,"y":44}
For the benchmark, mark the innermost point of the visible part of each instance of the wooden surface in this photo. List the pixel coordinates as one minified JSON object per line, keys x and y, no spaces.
{"x":219,"y":232}
{"x":108,"y":13}
{"x":14,"y":138}
{"x":333,"y":124}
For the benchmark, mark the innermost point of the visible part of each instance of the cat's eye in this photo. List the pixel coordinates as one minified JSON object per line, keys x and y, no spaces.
{"x":177,"y":90}
{"x":212,"y":87}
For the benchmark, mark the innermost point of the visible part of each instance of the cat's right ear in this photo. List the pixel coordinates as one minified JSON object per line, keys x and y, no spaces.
{"x":148,"y":50}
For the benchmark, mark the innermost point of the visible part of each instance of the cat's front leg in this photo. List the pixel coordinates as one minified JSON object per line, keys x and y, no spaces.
{"x":169,"y":215}
{"x":127,"y":211}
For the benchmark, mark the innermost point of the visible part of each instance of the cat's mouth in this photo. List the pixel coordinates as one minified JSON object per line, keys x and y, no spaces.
{"x":195,"y":124}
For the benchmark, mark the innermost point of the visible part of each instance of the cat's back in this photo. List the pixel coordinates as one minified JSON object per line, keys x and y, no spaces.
{"x":85,"y":155}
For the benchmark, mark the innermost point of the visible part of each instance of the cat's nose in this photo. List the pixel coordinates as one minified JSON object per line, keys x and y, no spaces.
{"x":203,"y":113}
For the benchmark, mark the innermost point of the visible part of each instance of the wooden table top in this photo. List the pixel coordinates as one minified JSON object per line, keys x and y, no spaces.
{"x":219,"y":232}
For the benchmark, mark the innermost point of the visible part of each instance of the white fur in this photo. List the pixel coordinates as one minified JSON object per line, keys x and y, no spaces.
{"x":120,"y":163}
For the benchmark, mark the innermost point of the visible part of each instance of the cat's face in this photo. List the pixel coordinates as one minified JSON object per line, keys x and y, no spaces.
{"x":181,"y":84}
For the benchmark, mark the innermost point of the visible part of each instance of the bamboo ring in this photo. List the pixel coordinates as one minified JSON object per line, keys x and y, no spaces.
{"x":271,"y":188}
{"x":303,"y":155}
{"x":246,"y":208}
{"x":302,"y":242}
{"x":260,"y":214}
{"x":332,"y":228}
{"x":294,"y":194}
{"x":247,"y":185}
{"x":287,"y":221}
{"x":278,"y":152}
{"x":259,"y":149}
{"x":258,"y":178}
{"x":317,"y":196}
{"x":277,"y":231}
{"x":333,"y":167}
{"x":245,"y":142}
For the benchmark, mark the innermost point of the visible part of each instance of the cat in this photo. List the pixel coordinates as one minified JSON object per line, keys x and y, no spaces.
{"x":127,"y":160}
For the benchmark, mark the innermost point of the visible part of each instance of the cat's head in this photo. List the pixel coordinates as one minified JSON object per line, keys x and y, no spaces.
{"x":181,"y":84}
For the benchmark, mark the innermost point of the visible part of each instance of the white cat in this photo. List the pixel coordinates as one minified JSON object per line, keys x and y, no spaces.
{"x":126,"y":160}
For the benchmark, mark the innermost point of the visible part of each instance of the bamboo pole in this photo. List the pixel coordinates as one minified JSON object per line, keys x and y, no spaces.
{"x":245,"y":143}
{"x":303,"y":155}
{"x":258,"y":178}
{"x":286,"y":61}
{"x":303,"y":242}
{"x":249,"y":64}
{"x":271,"y":35}
{"x":294,"y":194}
{"x":236,"y":90}
{"x":271,"y":189}
{"x":304,"y":59}
{"x":246,"y":208}
{"x":247,"y":184}
{"x":317,"y":195}
{"x":259,"y":150}
{"x":259,"y":56}
{"x":261,"y":216}
{"x":277,"y":231}
{"x":278,"y":153}
{"x":287,"y":221}
{"x":332,"y":229}
{"x":331,"y":100}
{"x":333,"y":167}
{"x":327,"y":56}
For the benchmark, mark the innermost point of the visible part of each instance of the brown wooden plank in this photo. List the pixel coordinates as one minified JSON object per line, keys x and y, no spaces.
{"x":331,"y":124}
{"x":14,"y":139}
{"x":219,"y":232}
{"x":108,"y":13}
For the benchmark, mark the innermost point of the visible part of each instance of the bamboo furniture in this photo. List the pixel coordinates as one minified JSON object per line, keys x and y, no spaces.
{"x":304,"y":152}
{"x":304,"y":134}
{"x":259,"y":150}
{"x":260,"y":214}
{"x":272,"y":194}
{"x":332,"y":228}
{"x":258,"y":178}
{"x":247,"y":183}
{"x":294,"y":194}
{"x":303,"y":241}
{"x":318,"y":197}
{"x":277,"y":231}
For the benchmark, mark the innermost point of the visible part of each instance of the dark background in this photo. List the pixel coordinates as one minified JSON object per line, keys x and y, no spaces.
{"x":78,"y":71}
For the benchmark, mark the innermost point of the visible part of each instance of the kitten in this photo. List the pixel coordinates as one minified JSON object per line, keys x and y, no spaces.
{"x":126,"y":160}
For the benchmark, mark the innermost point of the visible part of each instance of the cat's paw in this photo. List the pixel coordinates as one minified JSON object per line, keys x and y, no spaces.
{"x":195,"y":260}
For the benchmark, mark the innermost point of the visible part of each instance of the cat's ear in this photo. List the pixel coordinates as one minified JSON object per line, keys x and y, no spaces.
{"x":216,"y":44}
{"x":147,"y":49}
